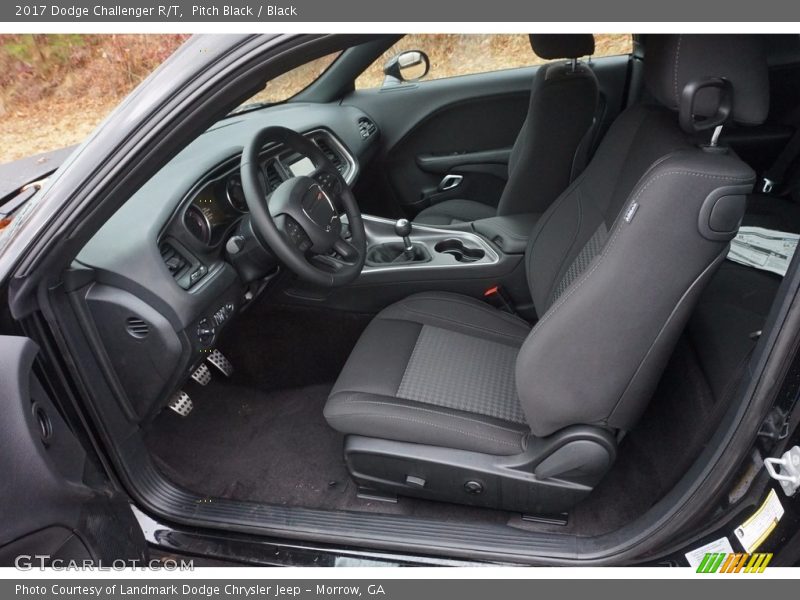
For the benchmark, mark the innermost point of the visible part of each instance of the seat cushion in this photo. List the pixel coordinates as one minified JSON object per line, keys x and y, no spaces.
{"x":452,"y":212}
{"x":438,"y":369}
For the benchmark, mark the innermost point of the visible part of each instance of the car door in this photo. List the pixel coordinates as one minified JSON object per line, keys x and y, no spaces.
{"x":56,"y":503}
{"x":450,"y":134}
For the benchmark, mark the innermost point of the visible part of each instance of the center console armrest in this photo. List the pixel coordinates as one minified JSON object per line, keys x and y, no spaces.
{"x":510,"y":233}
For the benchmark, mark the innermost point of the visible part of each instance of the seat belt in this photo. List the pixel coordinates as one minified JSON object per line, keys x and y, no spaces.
{"x":774,"y":176}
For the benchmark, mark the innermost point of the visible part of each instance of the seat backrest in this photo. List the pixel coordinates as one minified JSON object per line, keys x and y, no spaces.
{"x":562,"y":110}
{"x":616,"y":263}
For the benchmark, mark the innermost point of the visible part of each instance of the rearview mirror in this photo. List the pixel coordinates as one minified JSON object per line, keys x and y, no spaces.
{"x":408,"y":66}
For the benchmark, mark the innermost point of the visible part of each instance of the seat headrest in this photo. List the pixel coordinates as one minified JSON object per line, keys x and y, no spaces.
{"x":550,"y":46}
{"x":672,"y":61}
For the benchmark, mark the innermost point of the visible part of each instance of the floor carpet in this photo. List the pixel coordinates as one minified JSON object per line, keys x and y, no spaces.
{"x":261,"y":436}
{"x":272,"y":447}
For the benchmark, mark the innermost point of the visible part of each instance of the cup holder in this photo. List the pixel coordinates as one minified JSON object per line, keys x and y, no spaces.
{"x":459,"y":251}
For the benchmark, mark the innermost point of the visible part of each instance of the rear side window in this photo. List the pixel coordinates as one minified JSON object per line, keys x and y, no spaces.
{"x":456,"y":54}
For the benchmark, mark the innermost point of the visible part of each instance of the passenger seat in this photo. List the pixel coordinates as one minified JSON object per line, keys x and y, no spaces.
{"x":552,"y":147}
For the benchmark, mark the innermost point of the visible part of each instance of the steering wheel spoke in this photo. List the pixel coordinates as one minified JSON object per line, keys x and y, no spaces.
{"x":329,"y":180}
{"x":294,"y":232}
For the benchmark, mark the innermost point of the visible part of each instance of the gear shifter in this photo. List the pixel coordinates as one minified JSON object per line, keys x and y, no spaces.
{"x":389,"y":252}
{"x":403,"y":228}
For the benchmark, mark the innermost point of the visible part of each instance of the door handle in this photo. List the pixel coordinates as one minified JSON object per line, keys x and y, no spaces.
{"x":450,"y":182}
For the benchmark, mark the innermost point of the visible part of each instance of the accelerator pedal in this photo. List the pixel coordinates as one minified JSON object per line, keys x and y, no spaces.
{"x":181,"y":404}
{"x":216,"y":358}
{"x":202,"y":374}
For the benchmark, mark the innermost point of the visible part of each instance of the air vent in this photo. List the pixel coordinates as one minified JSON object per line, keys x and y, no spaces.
{"x":136,"y":327}
{"x":273,"y":177}
{"x":333,"y":156}
{"x":174,"y":261}
{"x":366,"y":127}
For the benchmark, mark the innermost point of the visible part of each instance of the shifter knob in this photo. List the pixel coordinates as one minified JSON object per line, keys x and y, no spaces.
{"x":403,"y":228}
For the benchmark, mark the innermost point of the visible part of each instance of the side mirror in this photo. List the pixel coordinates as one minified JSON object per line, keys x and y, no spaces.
{"x":411,"y":65}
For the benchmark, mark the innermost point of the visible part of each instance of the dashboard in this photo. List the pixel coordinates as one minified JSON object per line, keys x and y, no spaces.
{"x":218,"y":199}
{"x":161,"y":287}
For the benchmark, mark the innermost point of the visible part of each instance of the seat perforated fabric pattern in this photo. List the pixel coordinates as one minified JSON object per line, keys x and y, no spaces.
{"x":591,"y":249}
{"x":436,"y":368}
{"x":459,"y":371}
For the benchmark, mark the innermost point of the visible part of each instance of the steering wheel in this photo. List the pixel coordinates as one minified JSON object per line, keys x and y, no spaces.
{"x":299,"y":221}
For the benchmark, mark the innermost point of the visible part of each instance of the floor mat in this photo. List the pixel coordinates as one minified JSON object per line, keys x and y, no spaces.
{"x":263,"y":446}
{"x":244,"y":443}
{"x":276,"y":448}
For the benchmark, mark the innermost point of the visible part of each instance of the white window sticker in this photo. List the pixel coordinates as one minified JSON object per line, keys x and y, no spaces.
{"x":763,"y":249}
{"x":752,"y":533}
{"x":696,"y":556}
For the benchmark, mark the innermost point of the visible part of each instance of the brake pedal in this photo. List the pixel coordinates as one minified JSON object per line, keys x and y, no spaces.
{"x":202,"y":374}
{"x":218,"y":359}
{"x":181,"y":404}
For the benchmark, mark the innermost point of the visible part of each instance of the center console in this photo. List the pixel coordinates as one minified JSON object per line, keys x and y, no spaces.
{"x":404,"y":258}
{"x":400,"y":247}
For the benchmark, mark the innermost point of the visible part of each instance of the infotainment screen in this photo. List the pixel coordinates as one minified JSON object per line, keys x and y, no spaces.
{"x":304,"y":166}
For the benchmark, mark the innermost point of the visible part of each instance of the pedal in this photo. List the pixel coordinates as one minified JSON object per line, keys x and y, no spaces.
{"x":181,"y":404}
{"x":218,"y":359}
{"x":202,"y":374}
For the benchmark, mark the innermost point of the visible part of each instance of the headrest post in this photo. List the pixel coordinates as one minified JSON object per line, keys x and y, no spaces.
{"x":574,"y":64}
{"x":715,"y":136}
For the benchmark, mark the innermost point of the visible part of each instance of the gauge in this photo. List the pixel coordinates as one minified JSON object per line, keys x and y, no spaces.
{"x":197,"y":223}
{"x":235,"y":193}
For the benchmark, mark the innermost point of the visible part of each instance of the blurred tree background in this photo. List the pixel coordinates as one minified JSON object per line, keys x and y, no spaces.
{"x":56,"y":88}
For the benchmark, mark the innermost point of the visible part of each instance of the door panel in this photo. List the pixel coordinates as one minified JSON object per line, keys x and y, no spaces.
{"x":461,"y":125}
{"x":48,"y":507}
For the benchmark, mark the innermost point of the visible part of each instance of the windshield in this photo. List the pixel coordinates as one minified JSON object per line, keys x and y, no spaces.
{"x":290,"y":83}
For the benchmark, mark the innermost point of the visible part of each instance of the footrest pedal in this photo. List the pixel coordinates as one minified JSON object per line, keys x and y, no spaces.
{"x":181,"y":404}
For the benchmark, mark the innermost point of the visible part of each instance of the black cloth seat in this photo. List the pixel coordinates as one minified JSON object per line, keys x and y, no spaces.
{"x":553,"y":145}
{"x":615,"y":267}
{"x":435,"y":368}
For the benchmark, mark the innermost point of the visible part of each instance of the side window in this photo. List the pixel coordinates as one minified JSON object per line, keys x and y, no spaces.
{"x":452,"y":55}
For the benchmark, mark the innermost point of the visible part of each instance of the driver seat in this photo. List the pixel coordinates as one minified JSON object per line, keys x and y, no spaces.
{"x":447,"y":398}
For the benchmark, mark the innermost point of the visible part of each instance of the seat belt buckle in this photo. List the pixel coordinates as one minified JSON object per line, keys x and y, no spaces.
{"x":767,"y":186}
{"x":497,"y":297}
